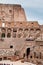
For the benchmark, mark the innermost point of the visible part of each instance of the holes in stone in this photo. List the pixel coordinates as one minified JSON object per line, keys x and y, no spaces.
{"x":10,"y":11}
{"x":11,"y":46}
{"x":9,"y":35}
{"x":0,"y":59}
{"x":32,"y":23}
{"x":3,"y":35}
{"x":9,"y":58}
{"x":37,"y":57}
{"x":26,"y":29}
{"x":31,"y":29}
{"x":38,"y":29}
{"x":30,"y":56}
{"x":20,"y":29}
{"x":14,"y":30}
{"x":5,"y":58}
{"x":20,"y":22}
{"x":28,"y":52}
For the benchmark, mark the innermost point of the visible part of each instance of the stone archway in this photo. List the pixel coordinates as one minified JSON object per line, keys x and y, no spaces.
{"x":27,"y":52}
{"x":4,"y":58}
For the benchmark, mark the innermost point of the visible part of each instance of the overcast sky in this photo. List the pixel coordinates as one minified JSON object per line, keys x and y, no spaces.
{"x":33,"y":8}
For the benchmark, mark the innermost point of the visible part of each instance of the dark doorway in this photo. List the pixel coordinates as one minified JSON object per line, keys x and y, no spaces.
{"x":5,"y":58}
{"x":9,"y":35}
{"x":0,"y":59}
{"x":3,"y":35}
{"x":30,"y":56}
{"x":27,"y":52}
{"x":9,"y":58}
{"x":11,"y":46}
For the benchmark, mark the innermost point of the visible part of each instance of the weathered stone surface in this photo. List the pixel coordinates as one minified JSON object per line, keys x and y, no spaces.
{"x":17,"y":34}
{"x":11,"y":13}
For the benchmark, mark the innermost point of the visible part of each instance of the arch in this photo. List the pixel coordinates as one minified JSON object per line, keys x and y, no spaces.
{"x":8,"y":35}
{"x":3,"y":35}
{"x":11,"y":46}
{"x":20,"y":29}
{"x":26,"y":29}
{"x":9,"y":29}
{"x":31,"y":29}
{"x":10,"y":11}
{"x":3,"y":29}
{"x":4,"y":58}
{"x":0,"y":59}
{"x":27,"y":52}
{"x":14,"y":29}
{"x":31,"y":56}
{"x":38,"y":29}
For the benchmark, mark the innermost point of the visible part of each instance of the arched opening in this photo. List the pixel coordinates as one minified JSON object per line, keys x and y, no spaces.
{"x":9,"y":58}
{"x":31,"y":29}
{"x":38,"y":29}
{"x":0,"y":59}
{"x":27,"y":52}
{"x":14,"y":29}
{"x":30,"y":56}
{"x":4,"y":58}
{"x":11,"y":46}
{"x":20,"y":30}
{"x":3,"y":35}
{"x":3,"y":30}
{"x":26,"y":29}
{"x":9,"y":30}
{"x":9,"y":35}
{"x":10,"y":11}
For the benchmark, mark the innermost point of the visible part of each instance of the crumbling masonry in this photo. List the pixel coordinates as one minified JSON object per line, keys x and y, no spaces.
{"x":19,"y":37}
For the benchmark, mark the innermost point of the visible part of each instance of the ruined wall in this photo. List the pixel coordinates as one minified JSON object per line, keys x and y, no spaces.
{"x":10,"y":13}
{"x":22,"y":34}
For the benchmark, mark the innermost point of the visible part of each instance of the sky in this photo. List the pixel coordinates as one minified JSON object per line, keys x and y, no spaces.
{"x":33,"y":8}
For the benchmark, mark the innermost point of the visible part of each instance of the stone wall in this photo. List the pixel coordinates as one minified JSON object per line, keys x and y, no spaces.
{"x":17,"y":34}
{"x":12,"y":13}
